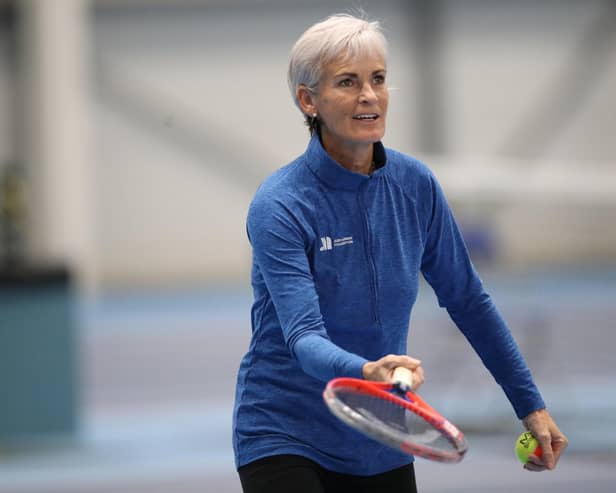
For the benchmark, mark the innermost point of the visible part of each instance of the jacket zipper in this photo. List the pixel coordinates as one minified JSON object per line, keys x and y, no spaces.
{"x":369,"y":257}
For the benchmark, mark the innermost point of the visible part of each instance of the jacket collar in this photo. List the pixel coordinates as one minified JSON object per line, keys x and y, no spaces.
{"x":335,"y":175}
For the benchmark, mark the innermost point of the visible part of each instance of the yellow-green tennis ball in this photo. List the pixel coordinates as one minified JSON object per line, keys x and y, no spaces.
{"x":525,"y":445}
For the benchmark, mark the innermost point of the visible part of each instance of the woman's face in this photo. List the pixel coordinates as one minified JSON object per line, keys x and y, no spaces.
{"x":351,"y":101}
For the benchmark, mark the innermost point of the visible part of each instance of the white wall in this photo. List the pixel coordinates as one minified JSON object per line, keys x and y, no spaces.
{"x":166,"y":214}
{"x":7,"y":95}
{"x":501,"y":62}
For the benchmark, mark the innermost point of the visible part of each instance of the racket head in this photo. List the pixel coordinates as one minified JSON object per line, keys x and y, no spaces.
{"x":401,"y":420}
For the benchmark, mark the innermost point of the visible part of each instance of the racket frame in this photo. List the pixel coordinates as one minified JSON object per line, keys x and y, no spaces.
{"x":401,"y":396}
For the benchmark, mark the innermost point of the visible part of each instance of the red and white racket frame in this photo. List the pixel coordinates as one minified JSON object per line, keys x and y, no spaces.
{"x":412,"y":402}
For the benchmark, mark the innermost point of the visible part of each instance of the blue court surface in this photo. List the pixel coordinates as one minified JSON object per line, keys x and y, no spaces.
{"x":158,"y":370}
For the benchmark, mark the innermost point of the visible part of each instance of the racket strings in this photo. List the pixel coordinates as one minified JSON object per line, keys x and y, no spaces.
{"x":404,"y":424}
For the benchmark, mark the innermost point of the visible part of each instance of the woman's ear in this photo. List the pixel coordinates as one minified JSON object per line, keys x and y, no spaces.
{"x":305,"y":97}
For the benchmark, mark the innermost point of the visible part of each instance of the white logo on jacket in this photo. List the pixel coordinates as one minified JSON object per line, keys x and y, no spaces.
{"x":327,"y":244}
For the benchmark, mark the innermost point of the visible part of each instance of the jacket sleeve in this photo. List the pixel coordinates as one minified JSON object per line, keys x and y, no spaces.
{"x":280,"y":252}
{"x":447,"y":267}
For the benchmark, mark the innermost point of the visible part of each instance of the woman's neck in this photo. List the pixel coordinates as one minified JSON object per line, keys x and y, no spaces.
{"x":357,"y":158}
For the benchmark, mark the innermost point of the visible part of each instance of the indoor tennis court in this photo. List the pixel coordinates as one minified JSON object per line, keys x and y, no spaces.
{"x":158,"y":391}
{"x":133,"y":134}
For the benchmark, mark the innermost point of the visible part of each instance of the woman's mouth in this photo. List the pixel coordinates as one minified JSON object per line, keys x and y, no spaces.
{"x":366,"y":116}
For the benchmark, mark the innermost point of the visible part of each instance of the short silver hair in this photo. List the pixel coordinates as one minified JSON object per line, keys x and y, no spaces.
{"x":339,"y":35}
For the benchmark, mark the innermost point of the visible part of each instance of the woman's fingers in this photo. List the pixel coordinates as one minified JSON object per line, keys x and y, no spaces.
{"x":418,"y":377}
{"x":382,"y":370}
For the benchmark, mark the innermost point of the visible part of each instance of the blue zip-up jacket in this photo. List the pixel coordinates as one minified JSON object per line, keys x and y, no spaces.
{"x":336,"y":262}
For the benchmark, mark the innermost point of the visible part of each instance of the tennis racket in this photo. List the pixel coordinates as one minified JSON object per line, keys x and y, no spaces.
{"x":394,"y":415}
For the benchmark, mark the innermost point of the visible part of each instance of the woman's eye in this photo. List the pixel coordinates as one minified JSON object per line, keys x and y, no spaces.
{"x":345,"y":83}
{"x":379,"y":79}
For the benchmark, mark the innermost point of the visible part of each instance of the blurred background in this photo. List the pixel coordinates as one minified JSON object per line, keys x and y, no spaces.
{"x":133,"y":134}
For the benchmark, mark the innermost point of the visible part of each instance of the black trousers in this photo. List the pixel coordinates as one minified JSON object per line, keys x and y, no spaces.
{"x":296,"y":474}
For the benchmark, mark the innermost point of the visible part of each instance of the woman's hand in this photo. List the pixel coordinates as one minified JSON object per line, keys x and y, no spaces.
{"x":382,"y":370}
{"x":553,"y":442}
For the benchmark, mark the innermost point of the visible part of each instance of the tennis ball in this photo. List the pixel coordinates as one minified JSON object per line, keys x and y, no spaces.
{"x":525,"y":445}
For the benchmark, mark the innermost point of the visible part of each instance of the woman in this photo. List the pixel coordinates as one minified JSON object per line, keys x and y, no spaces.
{"x":339,"y":238}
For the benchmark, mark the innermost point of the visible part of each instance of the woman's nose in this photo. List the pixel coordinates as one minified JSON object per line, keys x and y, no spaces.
{"x":367,"y":94}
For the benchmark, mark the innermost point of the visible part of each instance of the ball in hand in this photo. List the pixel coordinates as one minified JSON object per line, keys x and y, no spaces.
{"x":525,"y":445}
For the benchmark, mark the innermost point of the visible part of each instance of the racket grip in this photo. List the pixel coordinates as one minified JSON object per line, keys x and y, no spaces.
{"x":403,"y":377}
